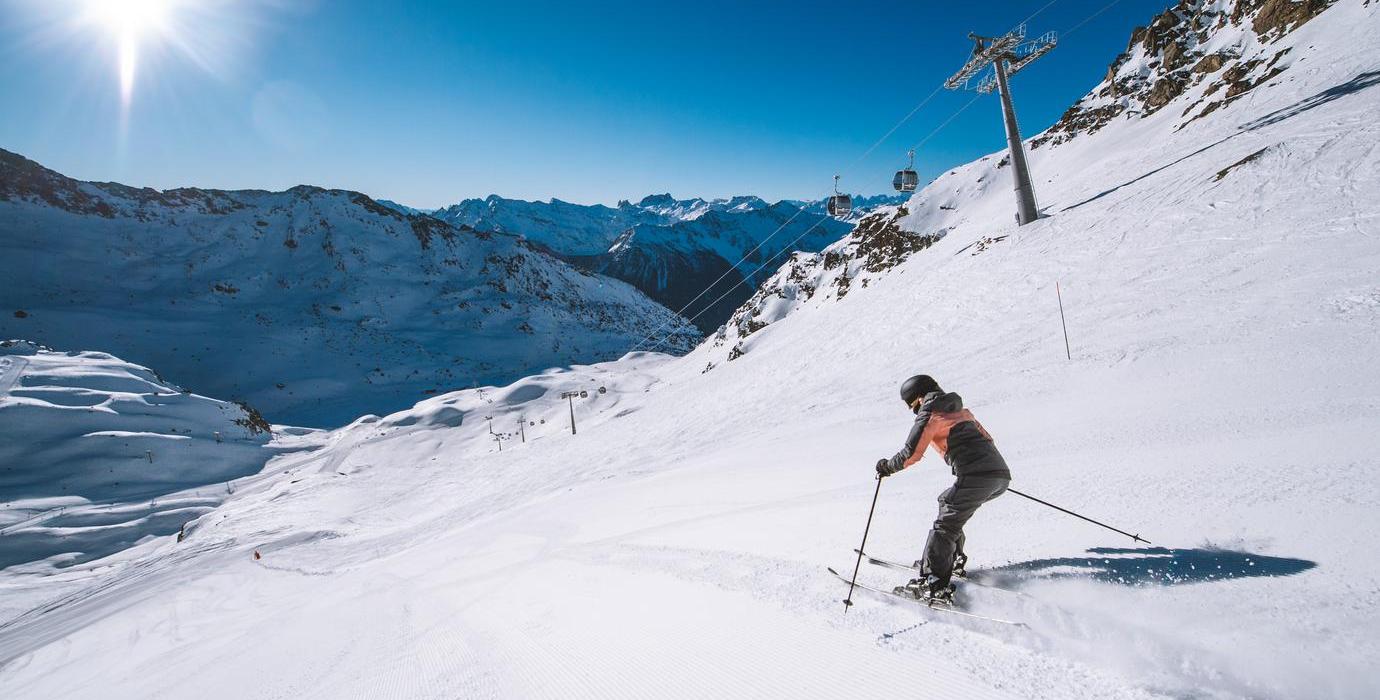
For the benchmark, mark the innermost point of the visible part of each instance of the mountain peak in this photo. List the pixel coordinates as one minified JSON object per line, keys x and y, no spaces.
{"x":657,"y":200}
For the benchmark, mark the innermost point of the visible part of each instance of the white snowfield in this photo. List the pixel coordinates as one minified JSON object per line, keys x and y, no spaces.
{"x":1221,"y":401}
{"x":97,"y":454}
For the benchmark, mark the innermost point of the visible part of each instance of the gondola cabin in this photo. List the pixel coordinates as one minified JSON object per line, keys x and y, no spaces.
{"x":840,"y":206}
{"x":906,"y":180}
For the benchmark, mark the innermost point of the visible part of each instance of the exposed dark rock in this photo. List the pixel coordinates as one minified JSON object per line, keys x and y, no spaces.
{"x":21,"y":178}
{"x":882,"y":243}
{"x":1275,"y":18}
{"x":253,"y":421}
{"x":1164,"y":90}
{"x":425,"y":227}
{"x":1171,"y":47}
{"x":1210,"y":63}
{"x":1248,"y":159}
{"x":372,"y":206}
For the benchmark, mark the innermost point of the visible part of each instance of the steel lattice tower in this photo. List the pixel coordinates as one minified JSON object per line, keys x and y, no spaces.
{"x":1007,"y":55}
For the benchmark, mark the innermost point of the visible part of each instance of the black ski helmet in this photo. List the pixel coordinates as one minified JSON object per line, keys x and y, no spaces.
{"x":916,"y":387}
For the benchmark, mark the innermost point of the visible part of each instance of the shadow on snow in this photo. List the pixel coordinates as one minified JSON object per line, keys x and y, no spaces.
{"x":1150,"y":566}
{"x":1356,"y":84}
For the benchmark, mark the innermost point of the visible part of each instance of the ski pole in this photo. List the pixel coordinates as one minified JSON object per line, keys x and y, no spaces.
{"x":1137,"y":538}
{"x":848,"y":602}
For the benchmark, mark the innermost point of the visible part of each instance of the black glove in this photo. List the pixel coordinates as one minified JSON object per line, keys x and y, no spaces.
{"x":884,"y":468}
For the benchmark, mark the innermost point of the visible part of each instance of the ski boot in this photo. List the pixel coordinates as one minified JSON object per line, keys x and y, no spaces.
{"x":960,"y":565}
{"x":928,"y":590}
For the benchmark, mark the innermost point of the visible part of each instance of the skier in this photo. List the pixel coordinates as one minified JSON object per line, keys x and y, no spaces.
{"x":982,"y":475}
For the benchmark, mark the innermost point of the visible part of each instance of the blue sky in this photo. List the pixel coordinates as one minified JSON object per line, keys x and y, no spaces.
{"x":428,"y":103}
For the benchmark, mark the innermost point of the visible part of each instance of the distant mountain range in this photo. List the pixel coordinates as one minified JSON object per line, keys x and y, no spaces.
{"x":671,"y":249}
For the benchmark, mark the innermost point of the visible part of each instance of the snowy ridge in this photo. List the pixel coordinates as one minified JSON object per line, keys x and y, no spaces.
{"x":313,"y":305}
{"x":588,"y":229}
{"x":584,"y":229}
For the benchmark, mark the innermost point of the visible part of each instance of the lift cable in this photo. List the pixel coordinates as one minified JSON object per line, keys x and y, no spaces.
{"x":856,"y":161}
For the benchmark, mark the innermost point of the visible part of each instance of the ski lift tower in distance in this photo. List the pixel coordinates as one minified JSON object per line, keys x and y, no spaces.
{"x":907,"y":179}
{"x":1007,"y":55}
{"x":840,"y":205}
{"x":571,"y":396}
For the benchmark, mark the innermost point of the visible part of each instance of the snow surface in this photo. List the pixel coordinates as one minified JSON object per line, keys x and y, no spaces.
{"x":97,"y":454}
{"x":1221,"y":401}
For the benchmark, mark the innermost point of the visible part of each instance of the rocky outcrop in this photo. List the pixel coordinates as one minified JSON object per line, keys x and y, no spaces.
{"x":872,"y":249}
{"x":705,"y":267}
{"x":1216,"y":50}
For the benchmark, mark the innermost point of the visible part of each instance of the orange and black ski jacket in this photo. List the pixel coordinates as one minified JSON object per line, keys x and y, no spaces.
{"x":960,"y":439}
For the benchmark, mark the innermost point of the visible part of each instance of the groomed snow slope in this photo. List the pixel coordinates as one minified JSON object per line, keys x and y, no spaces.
{"x":1221,"y":401}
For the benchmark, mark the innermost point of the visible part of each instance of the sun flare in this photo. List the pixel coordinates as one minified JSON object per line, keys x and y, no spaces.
{"x":157,"y":48}
{"x":132,"y":24}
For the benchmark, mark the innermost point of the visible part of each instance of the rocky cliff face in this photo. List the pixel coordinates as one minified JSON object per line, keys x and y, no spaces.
{"x":314,"y":305}
{"x":870,"y":250}
{"x":1198,"y":55}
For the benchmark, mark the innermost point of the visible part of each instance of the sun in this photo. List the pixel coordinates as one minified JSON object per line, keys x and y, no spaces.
{"x":132,"y":24}
{"x":129,"y":17}
{"x":157,"y":51}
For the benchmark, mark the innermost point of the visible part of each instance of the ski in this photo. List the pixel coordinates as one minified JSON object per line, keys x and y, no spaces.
{"x":939,"y":608}
{"x":888,"y":564}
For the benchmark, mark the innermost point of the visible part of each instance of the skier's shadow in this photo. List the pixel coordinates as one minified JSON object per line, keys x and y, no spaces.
{"x":1149,"y":566}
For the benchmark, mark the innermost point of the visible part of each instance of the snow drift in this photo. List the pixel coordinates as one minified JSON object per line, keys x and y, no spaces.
{"x":97,"y":454}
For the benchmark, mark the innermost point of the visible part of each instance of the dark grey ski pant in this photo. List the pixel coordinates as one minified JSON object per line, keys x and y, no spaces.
{"x":956,"y":505}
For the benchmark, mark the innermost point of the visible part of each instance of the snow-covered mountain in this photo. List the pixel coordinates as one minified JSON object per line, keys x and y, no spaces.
{"x":570,"y":229}
{"x":313,"y":305}
{"x":1218,"y":396}
{"x":671,"y":249}
{"x":689,"y":265}
{"x":97,"y":454}
{"x":1194,"y":59}
{"x":590,"y":229}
